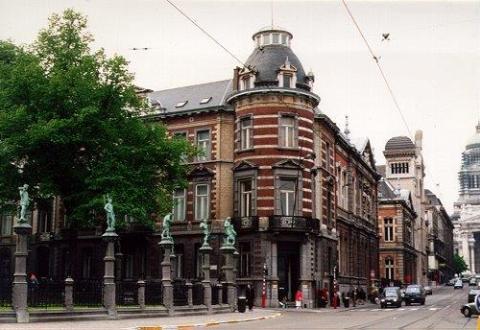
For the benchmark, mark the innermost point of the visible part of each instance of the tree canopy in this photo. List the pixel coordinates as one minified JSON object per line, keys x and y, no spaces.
{"x":70,"y":127}
{"x":459,"y":264}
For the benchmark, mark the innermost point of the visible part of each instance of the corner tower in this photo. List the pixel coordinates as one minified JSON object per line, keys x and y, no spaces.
{"x":273,"y":162}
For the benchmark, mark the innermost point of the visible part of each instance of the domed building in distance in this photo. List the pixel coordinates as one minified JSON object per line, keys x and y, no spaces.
{"x":278,"y":167}
{"x":467,"y":208}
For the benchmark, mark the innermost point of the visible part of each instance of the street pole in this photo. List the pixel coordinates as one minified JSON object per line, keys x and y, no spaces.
{"x":264,"y":286}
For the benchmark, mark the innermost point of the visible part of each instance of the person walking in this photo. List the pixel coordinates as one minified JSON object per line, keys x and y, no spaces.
{"x":298,"y":299}
{"x":249,"y":293}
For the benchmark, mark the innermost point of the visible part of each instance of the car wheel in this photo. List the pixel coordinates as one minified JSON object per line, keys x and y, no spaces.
{"x":423,"y":302}
{"x":467,"y":312}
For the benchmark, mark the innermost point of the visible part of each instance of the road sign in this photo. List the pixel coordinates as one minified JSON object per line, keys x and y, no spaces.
{"x":477,"y":302}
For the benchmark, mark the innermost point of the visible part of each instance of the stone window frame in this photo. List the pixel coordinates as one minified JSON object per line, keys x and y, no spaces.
{"x":184,"y":205}
{"x":208,"y":154}
{"x":242,"y":175}
{"x":293,"y":116}
{"x":249,"y":264}
{"x":6,"y":227}
{"x":391,"y":229}
{"x":294,"y":174}
{"x":197,"y":183}
{"x":240,"y":140}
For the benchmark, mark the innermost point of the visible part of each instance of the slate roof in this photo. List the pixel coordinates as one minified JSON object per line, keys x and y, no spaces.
{"x":385,"y":190}
{"x":382,"y":170}
{"x":170,"y":98}
{"x":267,"y":60}
{"x":399,"y":143}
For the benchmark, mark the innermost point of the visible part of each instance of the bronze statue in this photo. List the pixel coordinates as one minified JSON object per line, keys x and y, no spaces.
{"x":230,"y":233}
{"x":167,"y":222}
{"x":110,"y":215}
{"x":24,"y":203}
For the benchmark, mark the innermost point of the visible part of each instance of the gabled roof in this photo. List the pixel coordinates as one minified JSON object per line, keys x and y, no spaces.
{"x":387,"y":193}
{"x":197,"y":97}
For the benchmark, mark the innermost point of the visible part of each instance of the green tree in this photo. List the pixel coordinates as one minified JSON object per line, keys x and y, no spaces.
{"x":70,"y":127}
{"x":459,"y":264}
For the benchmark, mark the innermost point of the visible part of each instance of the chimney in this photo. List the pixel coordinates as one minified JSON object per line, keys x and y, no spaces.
{"x":235,"y":79}
{"x":418,"y":139}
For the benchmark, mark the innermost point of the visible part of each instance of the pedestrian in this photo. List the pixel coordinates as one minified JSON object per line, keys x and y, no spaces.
{"x":298,"y":299}
{"x":249,"y":293}
{"x":324,"y":296}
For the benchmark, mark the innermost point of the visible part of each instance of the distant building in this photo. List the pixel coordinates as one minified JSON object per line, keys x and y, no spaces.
{"x":467,"y":208}
{"x":440,"y":240}
{"x":405,"y":170}
{"x":396,"y":222}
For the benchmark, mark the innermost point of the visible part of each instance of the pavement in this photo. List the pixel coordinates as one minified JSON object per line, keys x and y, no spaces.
{"x":151,"y":323}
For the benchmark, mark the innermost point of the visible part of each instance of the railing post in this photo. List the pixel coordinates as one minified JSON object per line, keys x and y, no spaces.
{"x":228,"y":251}
{"x":109,"y":300}
{"x":166,"y":275}
{"x":141,"y":294}
{"x":207,"y":286}
{"x":20,"y":288}
{"x":220,"y":293}
{"x":189,"y":286}
{"x":69,"y":294}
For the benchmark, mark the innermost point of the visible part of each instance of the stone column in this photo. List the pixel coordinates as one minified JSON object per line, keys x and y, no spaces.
{"x":471,"y":254}
{"x":166,"y":264}
{"x":69,"y":294}
{"x":274,"y":276}
{"x":141,"y":293}
{"x":189,"y":286}
{"x":229,"y":283}
{"x":305,"y":274}
{"x":207,"y":286}
{"x":109,"y":276}
{"x":20,"y":288}
{"x":220,"y":293}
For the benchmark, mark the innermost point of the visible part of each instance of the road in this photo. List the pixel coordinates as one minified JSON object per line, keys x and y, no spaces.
{"x":441,"y":311}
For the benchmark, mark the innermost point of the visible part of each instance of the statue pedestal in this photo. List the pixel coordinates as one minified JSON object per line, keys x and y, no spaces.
{"x":206,"y":250}
{"x":228,"y":270}
{"x":109,"y":276}
{"x":167,"y":246}
{"x":20,"y":289}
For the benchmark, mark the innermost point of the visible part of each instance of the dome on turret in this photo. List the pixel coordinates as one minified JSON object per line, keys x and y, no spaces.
{"x":273,"y":59}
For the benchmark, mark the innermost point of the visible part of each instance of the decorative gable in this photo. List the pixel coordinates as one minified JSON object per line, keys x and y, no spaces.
{"x":201,"y":171}
{"x":288,"y":164}
{"x":244,"y":165}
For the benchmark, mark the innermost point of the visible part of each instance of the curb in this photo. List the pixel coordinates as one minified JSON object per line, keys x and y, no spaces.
{"x":206,"y":324}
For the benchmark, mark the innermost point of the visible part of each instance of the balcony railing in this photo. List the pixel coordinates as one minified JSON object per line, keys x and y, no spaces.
{"x":245,"y":224}
{"x":292,"y":223}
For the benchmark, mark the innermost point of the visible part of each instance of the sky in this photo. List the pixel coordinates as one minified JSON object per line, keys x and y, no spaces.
{"x":432,"y":60}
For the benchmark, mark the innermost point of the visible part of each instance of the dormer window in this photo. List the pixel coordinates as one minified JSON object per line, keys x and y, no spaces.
{"x":287,"y":76}
{"x":287,"y":80}
{"x":275,"y":38}
{"x":206,"y":100}
{"x":272,"y":36}
{"x":246,"y":82}
{"x":181,"y":104}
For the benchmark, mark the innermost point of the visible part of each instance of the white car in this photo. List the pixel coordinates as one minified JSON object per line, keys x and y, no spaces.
{"x":458,"y":284}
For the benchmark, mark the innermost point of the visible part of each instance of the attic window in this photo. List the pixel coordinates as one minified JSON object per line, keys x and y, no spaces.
{"x":206,"y":100}
{"x":181,"y":104}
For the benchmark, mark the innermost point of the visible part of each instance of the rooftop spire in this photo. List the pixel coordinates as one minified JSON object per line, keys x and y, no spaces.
{"x":347,"y":130}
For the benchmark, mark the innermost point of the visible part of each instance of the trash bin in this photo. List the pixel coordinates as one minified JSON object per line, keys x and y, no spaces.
{"x":242,"y":304}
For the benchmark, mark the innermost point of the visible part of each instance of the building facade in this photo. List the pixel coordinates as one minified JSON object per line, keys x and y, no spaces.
{"x":467,"y":208}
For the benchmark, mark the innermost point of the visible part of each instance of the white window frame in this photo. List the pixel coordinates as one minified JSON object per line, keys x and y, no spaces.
{"x":246,"y":132}
{"x":246,"y":198}
{"x":388,"y":230}
{"x":287,"y":195}
{"x":179,"y":214}
{"x":203,"y":145}
{"x":202,"y":203}
{"x":287,"y":132}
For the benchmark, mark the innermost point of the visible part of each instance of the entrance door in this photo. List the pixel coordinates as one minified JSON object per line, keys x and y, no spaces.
{"x":288,"y":270}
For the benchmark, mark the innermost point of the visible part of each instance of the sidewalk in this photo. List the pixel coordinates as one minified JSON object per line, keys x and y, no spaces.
{"x":326,"y":309}
{"x":160,"y":323}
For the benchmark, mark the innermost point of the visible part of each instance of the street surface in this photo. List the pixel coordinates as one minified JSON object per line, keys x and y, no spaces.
{"x":441,"y":311}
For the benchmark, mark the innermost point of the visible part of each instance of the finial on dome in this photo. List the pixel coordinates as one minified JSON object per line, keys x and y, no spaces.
{"x":347,"y":130}
{"x":478,"y":127}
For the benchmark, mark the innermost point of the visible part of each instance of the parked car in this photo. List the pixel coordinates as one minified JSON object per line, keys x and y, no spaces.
{"x":414,"y":294}
{"x":469,"y":309}
{"x":451,"y":282}
{"x":472,"y":282}
{"x":428,"y":290}
{"x":458,"y":284}
{"x":391,"y":296}
{"x":472,"y":293}
{"x":465,"y":279}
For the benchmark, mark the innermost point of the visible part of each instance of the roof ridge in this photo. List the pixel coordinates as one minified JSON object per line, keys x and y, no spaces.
{"x":194,"y":85}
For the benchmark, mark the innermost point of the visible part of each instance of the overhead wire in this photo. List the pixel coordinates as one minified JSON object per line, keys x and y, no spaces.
{"x":377,"y":62}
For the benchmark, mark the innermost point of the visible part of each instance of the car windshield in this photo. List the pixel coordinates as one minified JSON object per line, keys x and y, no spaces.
{"x":389,"y":292}
{"x":413,"y":289}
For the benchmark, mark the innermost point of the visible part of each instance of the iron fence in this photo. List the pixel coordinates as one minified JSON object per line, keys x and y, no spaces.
{"x":180,"y":293}
{"x":5,"y":292}
{"x":153,"y":293}
{"x":225,"y":294}
{"x":216,"y":290}
{"x":197,"y":293}
{"x":46,"y":293}
{"x":126,"y":293}
{"x":87,"y":293}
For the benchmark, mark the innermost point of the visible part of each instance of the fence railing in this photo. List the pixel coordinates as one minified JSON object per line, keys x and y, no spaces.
{"x":197,"y":293}
{"x":46,"y":294}
{"x":5,"y":292}
{"x":126,"y":293}
{"x":87,"y":293}
{"x":153,"y":293}
{"x":180,"y":293}
{"x":216,"y":289}
{"x":224,"y":294}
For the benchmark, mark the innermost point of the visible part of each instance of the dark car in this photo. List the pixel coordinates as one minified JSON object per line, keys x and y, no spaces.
{"x":391,"y":296}
{"x":414,"y":294}
{"x":471,"y":294}
{"x":469,"y":309}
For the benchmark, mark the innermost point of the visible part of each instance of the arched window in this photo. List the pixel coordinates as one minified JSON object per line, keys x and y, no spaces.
{"x":389,"y":268}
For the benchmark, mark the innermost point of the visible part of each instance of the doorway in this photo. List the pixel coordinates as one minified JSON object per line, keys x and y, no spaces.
{"x":288,"y":270}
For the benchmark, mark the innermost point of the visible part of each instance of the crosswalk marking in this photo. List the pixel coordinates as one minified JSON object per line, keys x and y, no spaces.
{"x":432,"y":309}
